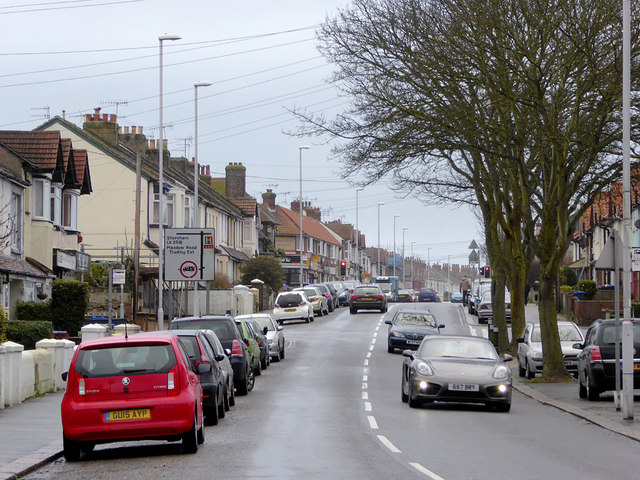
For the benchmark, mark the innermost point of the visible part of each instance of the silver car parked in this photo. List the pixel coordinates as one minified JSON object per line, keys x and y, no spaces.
{"x":273,"y":331}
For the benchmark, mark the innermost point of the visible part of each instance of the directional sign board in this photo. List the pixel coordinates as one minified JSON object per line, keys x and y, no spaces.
{"x":635,"y":259}
{"x":189,"y":254}
{"x":119,"y":276}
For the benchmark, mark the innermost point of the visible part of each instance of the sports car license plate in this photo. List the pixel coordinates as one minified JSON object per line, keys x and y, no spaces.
{"x":290,"y":310}
{"x":464,"y":387}
{"x":367,"y":299}
{"x":138,"y":414}
{"x":636,"y":366}
{"x":414,"y":342}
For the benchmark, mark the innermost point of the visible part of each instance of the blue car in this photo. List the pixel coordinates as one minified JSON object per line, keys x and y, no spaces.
{"x":427,"y":295}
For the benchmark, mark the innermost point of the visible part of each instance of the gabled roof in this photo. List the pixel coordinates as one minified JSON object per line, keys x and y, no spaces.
{"x":267,"y":216}
{"x":41,"y":149}
{"x":247,"y":205}
{"x":310,"y":227}
{"x":81,"y":163}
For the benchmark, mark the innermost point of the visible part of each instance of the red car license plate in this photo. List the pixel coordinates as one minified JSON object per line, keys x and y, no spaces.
{"x":138,"y":414}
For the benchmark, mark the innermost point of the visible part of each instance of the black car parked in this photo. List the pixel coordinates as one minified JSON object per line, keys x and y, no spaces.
{"x":224,"y":326}
{"x":214,"y":388}
{"x":596,"y":362}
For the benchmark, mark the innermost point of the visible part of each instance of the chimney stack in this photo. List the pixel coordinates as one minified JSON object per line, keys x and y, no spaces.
{"x":235,"y":180}
{"x":269,"y":200}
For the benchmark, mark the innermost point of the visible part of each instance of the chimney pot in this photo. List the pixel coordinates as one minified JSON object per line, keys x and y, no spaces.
{"x":126,"y":130}
{"x":140,"y":130}
{"x":133,"y":130}
{"x":153,"y":144}
{"x":113,"y":118}
{"x":88,"y":117}
{"x":165,"y":143}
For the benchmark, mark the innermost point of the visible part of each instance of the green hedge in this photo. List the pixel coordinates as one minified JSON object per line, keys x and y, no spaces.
{"x":3,"y":326}
{"x":69,"y":303}
{"x":33,"y":311}
{"x":28,"y":333}
{"x":589,"y":287}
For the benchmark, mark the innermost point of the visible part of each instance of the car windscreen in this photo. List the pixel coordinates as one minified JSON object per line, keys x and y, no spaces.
{"x":310,"y":292}
{"x":366,"y":291}
{"x":289,"y":300}
{"x":264,"y":322}
{"x":457,"y":348}
{"x":415,"y":319}
{"x":125,"y":360}
{"x":222,"y":328}
{"x":385,"y":287}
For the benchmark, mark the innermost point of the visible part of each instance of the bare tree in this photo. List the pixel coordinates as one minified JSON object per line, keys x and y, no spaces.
{"x":510,"y":105}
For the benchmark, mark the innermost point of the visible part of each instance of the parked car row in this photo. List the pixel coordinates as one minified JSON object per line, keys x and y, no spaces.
{"x":165,"y":385}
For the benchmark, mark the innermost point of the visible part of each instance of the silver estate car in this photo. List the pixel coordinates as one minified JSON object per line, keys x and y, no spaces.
{"x":274,"y":333}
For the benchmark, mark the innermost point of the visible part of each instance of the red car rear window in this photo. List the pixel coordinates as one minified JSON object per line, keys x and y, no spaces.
{"x":125,"y":360}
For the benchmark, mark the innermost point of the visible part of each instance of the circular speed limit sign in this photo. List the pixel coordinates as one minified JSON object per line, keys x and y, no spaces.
{"x":188,"y":269}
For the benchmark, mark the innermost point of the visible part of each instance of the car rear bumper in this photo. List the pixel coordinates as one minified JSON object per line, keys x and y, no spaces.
{"x":368,"y":305}
{"x":297,"y":315}
{"x":86,"y":421}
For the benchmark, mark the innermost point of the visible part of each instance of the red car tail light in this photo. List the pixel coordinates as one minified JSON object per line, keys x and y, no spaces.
{"x":378,"y":297}
{"x":236,"y":349}
{"x":326,"y":295}
{"x":172,"y":383}
{"x":355,"y":297}
{"x":81,"y":389}
{"x":595,"y":356}
{"x":302,"y":303}
{"x":277,"y":306}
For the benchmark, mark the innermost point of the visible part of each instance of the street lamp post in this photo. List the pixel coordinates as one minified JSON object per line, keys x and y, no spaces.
{"x":196,"y":181}
{"x":404,"y":229}
{"x":358,"y":275}
{"x":161,"y":39}
{"x":412,"y":279}
{"x":395,"y":217}
{"x":302,"y":147}
{"x":379,"y":205}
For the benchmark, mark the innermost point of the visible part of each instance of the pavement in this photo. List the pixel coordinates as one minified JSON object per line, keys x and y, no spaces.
{"x":31,"y":433}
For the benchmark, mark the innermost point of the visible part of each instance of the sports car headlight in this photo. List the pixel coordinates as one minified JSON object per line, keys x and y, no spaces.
{"x":424,"y":368}
{"x":398,"y":334}
{"x":501,"y":371}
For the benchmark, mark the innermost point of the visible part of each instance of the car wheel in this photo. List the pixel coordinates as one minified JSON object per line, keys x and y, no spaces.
{"x":530,"y":374}
{"x":413,"y":402}
{"x":257,"y":370}
{"x":232,"y":397}
{"x":308,"y":319}
{"x":211,"y":413}
{"x":226,"y":404}
{"x":313,"y":318}
{"x":320,"y":313}
{"x":251,"y":381}
{"x":353,"y":311}
{"x":582,"y":390}
{"x":521,"y":370}
{"x":190,"y":438}
{"x":265,"y":363}
{"x":282,"y":352}
{"x":71,"y":449}
{"x":592,"y":393}
{"x":390,"y":349}
{"x":403,"y":395}
{"x":222,"y":408}
{"x":200,"y":435}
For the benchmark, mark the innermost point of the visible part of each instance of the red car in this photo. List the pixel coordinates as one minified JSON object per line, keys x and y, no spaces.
{"x":131,"y":388}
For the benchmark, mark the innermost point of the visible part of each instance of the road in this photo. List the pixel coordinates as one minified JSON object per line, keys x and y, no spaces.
{"x":332,"y":410}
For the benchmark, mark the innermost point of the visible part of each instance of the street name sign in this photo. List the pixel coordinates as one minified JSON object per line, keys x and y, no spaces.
{"x":189,"y":254}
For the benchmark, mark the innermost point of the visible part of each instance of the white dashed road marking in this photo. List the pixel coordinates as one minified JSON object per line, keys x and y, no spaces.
{"x":372,"y":422}
{"x":427,"y":472}
{"x":385,"y":441}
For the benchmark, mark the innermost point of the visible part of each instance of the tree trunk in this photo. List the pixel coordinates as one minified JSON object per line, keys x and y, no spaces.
{"x":553,"y":360}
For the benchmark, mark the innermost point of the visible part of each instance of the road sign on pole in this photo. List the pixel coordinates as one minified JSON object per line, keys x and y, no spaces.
{"x":189,"y":254}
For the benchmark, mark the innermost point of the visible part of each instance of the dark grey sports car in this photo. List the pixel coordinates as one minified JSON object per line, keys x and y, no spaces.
{"x":407,"y":328}
{"x":456,"y":369}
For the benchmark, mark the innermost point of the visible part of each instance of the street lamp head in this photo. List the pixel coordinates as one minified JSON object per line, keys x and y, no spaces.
{"x":359,"y":189}
{"x":304,"y":147}
{"x":380,"y":203}
{"x":169,"y":36}
{"x":405,"y":228}
{"x":202,"y":83}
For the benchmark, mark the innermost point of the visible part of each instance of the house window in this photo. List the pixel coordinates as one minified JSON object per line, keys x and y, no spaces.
{"x":56,"y":204}
{"x":41,"y":203}
{"x":168,"y":209}
{"x":15,"y":222}
{"x":70,"y":210}
{"x":188,"y":212}
{"x":246,"y":231}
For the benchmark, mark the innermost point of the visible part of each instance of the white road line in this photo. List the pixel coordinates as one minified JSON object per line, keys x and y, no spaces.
{"x":375,"y":334}
{"x":372,"y":422}
{"x":385,"y":441}
{"x":371,"y":347}
{"x":367,"y":406}
{"x":368,"y":354}
{"x":364,"y":386}
{"x":365,"y":378}
{"x":427,"y":472}
{"x":365,"y":396}
{"x":366,"y":362}
{"x":377,"y":328}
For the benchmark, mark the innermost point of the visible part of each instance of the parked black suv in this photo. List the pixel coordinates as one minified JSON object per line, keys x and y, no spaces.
{"x":224,"y":326}
{"x":596,"y":362}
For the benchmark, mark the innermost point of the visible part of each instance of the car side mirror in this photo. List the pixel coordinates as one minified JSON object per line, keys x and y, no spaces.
{"x":280,"y":328}
{"x":246,"y":341}
{"x":227,"y":352}
{"x":507,"y":358}
{"x":265,"y":330}
{"x":408,"y":353}
{"x":520,"y":340}
{"x":440,"y":326}
{"x":219,"y":358}
{"x":203,"y":367}
{"x":578,"y":346}
{"x":387,"y":322}
{"x":64,"y":376}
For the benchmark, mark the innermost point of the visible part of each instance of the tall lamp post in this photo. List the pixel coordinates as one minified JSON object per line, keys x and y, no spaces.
{"x":302,"y":147}
{"x":379,"y":205}
{"x":161,"y":38}
{"x":412,"y":244}
{"x":196,"y":181}
{"x":358,"y":274}
{"x":395,"y":217}
{"x":404,"y":229}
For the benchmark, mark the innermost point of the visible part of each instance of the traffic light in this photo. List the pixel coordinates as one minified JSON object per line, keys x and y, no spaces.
{"x":343,"y":268}
{"x":486,"y":271}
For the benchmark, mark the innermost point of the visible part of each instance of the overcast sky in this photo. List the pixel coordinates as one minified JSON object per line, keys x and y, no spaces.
{"x":261,"y":58}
